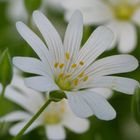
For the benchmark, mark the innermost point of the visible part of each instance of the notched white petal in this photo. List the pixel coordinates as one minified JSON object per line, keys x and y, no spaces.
{"x":50,"y":35}
{"x":88,"y":103}
{"x":55,"y":132}
{"x":97,"y":43}
{"x":74,"y":33}
{"x":106,"y":92}
{"x":78,"y":105}
{"x":127,"y":38}
{"x":19,"y":99}
{"x":124,"y":85}
{"x":113,"y":65}
{"x":15,"y":116}
{"x":14,"y":130}
{"x":30,"y":65}
{"x":41,"y":83}
{"x":76,"y":124}
{"x":36,"y":44}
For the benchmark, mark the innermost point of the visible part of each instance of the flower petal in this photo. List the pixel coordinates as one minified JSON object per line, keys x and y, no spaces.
{"x":55,"y":132}
{"x":107,"y":93}
{"x":34,"y":98}
{"x":112,"y":65}
{"x":129,"y":2}
{"x":91,"y":10}
{"x":76,"y":124}
{"x":15,"y":116}
{"x":19,"y":99}
{"x":41,"y":83}
{"x":98,"y":42}
{"x":30,"y":65}
{"x":50,"y":35}
{"x":124,"y":85}
{"x":95,"y":102}
{"x":36,"y":43}
{"x":134,"y":2}
{"x":113,"y":25}
{"x":127,"y":38}
{"x":14,"y":130}
{"x":78,"y":105}
{"x":16,"y":11}
{"x":79,"y":4}
{"x":136,"y":17}
{"x":73,"y":35}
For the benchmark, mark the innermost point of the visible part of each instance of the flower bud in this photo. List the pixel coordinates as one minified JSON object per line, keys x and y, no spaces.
{"x":57,"y":95}
{"x":6,"y":70}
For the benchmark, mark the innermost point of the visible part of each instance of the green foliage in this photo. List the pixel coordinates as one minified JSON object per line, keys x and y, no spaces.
{"x":32,"y":5}
{"x":6,"y":70}
{"x":136,"y":105}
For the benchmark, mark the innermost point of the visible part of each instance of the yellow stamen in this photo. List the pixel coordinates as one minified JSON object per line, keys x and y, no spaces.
{"x":67,"y":55}
{"x":61,"y":65}
{"x":85,"y":78}
{"x":124,"y":11}
{"x":75,"y":82}
{"x":74,"y":65}
{"x":81,"y":63}
{"x":81,"y":74}
{"x":56,"y":65}
{"x":61,"y":75}
{"x":68,"y":75}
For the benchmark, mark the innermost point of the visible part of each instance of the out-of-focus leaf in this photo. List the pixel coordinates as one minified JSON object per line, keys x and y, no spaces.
{"x":32,"y":5}
{"x":136,"y":105}
{"x":6,"y":70}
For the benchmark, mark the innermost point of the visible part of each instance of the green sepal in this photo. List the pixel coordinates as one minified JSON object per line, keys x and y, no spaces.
{"x":57,"y":95}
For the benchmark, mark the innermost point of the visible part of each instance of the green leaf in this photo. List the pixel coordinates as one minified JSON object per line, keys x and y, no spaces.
{"x":6,"y":70}
{"x":32,"y":5}
{"x":57,"y":95}
{"x":136,"y":105}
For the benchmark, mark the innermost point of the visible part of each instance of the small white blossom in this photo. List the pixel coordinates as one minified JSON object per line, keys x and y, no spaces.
{"x":16,"y":10}
{"x":54,"y":118}
{"x":119,"y":15}
{"x":67,"y":67}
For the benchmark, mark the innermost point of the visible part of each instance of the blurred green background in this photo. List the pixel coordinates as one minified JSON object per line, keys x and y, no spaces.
{"x":124,"y":127}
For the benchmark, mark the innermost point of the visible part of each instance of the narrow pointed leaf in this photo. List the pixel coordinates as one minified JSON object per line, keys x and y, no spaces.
{"x":6,"y":71}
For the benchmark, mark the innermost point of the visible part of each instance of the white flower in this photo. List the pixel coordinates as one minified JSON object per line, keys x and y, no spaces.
{"x":54,"y":118}
{"x":16,"y":10}
{"x":67,"y":67}
{"x":119,"y":15}
{"x":54,"y":4}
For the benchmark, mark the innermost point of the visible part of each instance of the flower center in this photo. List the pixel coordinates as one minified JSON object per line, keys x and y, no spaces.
{"x":64,"y":78}
{"x":54,"y":113}
{"x":63,"y":82}
{"x":124,"y":11}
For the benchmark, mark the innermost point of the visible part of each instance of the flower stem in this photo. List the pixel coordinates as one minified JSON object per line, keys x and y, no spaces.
{"x":32,"y":120}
